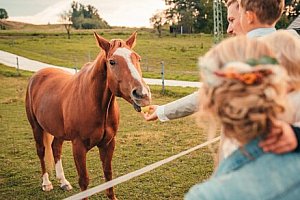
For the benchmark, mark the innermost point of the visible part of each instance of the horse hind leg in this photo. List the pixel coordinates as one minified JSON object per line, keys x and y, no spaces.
{"x":57,"y":150}
{"x":43,"y":141}
{"x":41,"y":138}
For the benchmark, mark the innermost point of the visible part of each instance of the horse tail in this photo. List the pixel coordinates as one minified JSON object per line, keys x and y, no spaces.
{"x":49,"y":160}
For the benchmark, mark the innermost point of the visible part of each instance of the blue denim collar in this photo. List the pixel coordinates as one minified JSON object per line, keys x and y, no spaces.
{"x":240,"y":157}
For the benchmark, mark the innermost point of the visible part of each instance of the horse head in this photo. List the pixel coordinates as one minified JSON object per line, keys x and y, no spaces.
{"x":124,"y":73}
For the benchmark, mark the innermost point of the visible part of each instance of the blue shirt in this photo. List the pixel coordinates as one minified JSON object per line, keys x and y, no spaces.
{"x":260,"y":32}
{"x":252,"y":174}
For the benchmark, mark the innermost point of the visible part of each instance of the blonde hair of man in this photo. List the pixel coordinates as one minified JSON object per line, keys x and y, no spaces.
{"x":266,"y":11}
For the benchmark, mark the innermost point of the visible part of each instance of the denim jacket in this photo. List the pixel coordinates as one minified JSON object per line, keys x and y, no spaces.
{"x":252,"y":174}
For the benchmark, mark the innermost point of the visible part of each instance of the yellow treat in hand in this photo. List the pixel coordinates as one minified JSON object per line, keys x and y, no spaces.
{"x":145,"y":109}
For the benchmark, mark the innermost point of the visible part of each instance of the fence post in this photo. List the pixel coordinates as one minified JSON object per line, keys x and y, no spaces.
{"x":147,"y":66}
{"x":75,"y":64}
{"x":163,"y":76}
{"x":18,"y":73}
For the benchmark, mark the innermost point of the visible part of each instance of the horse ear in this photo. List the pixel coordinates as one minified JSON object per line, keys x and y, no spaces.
{"x":102,"y":42}
{"x":131,"y":41}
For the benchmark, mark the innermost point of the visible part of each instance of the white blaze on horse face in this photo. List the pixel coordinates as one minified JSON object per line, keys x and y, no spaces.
{"x":125,"y":53}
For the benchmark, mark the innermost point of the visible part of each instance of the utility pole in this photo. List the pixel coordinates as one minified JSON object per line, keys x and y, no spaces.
{"x":218,"y":21}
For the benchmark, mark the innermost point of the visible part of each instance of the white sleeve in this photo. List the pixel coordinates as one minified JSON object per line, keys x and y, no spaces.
{"x":160,"y":112}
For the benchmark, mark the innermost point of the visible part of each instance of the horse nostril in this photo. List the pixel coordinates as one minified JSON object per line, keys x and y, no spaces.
{"x":137,"y":94}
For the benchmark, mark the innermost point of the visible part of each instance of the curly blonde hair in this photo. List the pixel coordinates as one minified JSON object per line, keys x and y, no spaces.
{"x":288,"y":57}
{"x":245,"y":111}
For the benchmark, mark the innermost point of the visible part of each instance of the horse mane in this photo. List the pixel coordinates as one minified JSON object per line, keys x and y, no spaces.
{"x":116,"y":43}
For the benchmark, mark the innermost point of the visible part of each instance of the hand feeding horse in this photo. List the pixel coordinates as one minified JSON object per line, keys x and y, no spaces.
{"x":82,"y":108}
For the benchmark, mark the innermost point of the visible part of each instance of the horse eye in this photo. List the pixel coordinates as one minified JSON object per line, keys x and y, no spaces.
{"x":112,"y":62}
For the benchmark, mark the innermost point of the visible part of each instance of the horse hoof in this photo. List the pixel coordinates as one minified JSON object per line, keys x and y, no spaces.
{"x":113,"y":198}
{"x":47,"y":188}
{"x":66,"y":187}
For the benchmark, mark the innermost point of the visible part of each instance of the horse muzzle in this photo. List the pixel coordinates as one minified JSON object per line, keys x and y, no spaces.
{"x":140,"y":98}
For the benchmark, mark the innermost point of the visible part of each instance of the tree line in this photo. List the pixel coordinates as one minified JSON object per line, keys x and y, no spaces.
{"x":84,"y":17}
{"x":195,"y":16}
{"x":191,"y":16}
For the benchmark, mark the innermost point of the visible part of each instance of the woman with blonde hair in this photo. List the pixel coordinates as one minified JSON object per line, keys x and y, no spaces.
{"x":283,"y":137}
{"x":245,"y":90}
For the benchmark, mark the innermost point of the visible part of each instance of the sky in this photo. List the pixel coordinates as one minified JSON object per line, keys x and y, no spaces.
{"x":130,"y":13}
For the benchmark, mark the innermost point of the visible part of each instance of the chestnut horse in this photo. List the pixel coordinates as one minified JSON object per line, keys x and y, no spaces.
{"x":82,"y":108}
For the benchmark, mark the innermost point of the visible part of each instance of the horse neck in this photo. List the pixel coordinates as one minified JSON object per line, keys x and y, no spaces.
{"x":94,"y":82}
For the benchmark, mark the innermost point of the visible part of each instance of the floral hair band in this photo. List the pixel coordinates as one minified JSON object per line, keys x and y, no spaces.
{"x":249,"y":78}
{"x":250,"y":72}
{"x":264,"y":60}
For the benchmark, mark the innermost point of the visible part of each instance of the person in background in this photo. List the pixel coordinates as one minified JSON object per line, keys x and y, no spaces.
{"x":245,"y":91}
{"x":233,"y":17}
{"x":258,"y":18}
{"x":189,"y":104}
{"x":283,"y":137}
{"x":254,"y":17}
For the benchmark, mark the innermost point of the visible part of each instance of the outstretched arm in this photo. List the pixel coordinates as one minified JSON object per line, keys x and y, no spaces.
{"x":176,"y":109}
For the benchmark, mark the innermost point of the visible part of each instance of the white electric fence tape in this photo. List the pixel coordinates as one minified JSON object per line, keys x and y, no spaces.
{"x":126,"y":177}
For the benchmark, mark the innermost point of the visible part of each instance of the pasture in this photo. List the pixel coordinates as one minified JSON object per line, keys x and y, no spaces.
{"x":179,"y":54}
{"x":138,"y":143}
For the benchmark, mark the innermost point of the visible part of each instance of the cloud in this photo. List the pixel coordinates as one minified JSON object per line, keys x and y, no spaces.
{"x":131,"y":13}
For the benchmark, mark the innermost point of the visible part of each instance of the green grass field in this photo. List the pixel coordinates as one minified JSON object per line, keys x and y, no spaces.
{"x":179,"y":54}
{"x":139,"y":143}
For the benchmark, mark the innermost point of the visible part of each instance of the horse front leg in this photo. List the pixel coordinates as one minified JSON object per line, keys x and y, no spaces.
{"x":79,"y":154}
{"x":60,"y":175}
{"x":106,"y":154}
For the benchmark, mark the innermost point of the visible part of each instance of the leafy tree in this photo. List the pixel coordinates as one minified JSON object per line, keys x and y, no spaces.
{"x":197,"y":15}
{"x":157,"y":21}
{"x":291,"y":11}
{"x":182,"y":13}
{"x":292,"y":8}
{"x":3,"y":14}
{"x":66,"y":21}
{"x":86,"y":17}
{"x":192,"y":15}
